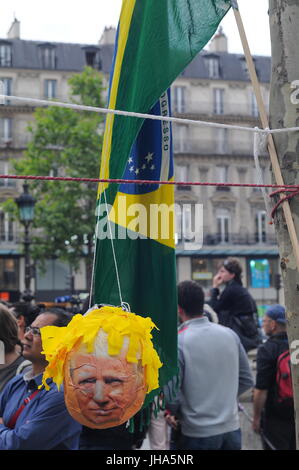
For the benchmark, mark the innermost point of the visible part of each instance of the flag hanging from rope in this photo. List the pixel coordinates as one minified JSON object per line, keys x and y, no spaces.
{"x":135,"y":252}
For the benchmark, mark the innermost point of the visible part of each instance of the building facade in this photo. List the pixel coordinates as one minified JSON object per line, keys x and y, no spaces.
{"x":38,"y":70}
{"x":214,"y":87}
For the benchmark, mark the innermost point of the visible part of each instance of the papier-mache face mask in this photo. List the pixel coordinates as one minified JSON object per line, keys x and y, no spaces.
{"x":107,"y":363}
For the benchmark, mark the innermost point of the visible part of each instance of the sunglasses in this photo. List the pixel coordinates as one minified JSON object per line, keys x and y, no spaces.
{"x":34,"y":330}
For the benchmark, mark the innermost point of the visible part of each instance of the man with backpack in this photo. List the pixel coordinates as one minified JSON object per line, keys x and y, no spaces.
{"x":273,"y":404}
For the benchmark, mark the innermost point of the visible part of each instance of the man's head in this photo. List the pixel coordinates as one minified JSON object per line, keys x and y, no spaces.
{"x":274,"y":320}
{"x":32,"y":344}
{"x":107,"y":362}
{"x":106,"y":390}
{"x":190,"y":300}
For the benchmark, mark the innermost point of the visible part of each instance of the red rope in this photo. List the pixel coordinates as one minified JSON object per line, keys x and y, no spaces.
{"x":283,"y":188}
{"x":294,"y":192}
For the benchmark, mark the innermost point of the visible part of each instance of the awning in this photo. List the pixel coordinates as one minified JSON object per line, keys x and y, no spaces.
{"x":230,"y":251}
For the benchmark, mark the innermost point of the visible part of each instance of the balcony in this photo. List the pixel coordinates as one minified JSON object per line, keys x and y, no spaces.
{"x":248,"y":239}
{"x":209,"y":108}
{"x":211,"y":147}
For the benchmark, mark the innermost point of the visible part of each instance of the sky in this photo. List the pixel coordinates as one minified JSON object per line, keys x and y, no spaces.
{"x":76,"y":22}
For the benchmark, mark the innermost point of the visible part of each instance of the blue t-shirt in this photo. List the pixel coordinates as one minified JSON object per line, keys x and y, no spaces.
{"x":43,"y":424}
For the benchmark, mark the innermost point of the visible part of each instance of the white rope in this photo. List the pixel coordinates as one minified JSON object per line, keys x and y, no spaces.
{"x":113,"y":252}
{"x":94,"y":109}
{"x":259,"y":144}
{"x":92,"y":272}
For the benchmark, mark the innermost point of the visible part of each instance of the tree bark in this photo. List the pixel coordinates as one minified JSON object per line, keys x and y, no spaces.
{"x":284,"y":112}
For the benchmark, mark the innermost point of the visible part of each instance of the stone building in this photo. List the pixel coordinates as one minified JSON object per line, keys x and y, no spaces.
{"x":214,"y":87}
{"x":39,"y":70}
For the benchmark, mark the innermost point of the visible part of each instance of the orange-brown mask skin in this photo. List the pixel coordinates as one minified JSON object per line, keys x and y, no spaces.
{"x":103,"y":391}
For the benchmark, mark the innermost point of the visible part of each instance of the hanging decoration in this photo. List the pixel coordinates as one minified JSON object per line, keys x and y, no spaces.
{"x":106,"y":362}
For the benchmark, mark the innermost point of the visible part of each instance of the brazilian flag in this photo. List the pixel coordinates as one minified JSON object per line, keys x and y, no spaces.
{"x":155,"y":41}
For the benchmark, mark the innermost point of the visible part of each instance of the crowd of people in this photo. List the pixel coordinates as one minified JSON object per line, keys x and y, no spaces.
{"x":214,"y":338}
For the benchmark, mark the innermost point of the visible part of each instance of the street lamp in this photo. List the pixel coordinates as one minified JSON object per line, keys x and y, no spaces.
{"x":26,"y":204}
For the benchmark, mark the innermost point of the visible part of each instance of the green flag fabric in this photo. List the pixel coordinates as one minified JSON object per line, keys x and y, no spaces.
{"x":135,"y":252}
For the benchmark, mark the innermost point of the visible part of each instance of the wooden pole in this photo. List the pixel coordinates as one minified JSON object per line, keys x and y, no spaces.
{"x":265,"y":124}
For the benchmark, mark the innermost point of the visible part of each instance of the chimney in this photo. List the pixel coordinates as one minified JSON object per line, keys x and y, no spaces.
{"x":14,"y":30}
{"x":219,"y":42}
{"x":108,"y":36}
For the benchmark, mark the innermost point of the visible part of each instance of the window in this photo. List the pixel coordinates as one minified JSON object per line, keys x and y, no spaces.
{"x":9,"y":268}
{"x":260,"y":227}
{"x":222,"y":177}
{"x":5,"y":55}
{"x":178,"y":224}
{"x":262,"y":272}
{"x":212,"y":64}
{"x":50,"y":89}
{"x":5,"y":130}
{"x":258,"y":178}
{"x":6,"y":228}
{"x":5,"y":88}
{"x":92,"y":57}
{"x":244,"y":67}
{"x":179,"y":99}
{"x":223,"y":225}
{"x":188,"y":224}
{"x":181,"y":143}
{"x":221,"y":141}
{"x":5,"y":170}
{"x":218,"y":95}
{"x":181,"y":172}
{"x":48,"y":57}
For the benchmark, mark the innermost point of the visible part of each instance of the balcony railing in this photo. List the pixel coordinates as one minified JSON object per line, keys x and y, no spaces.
{"x":209,"y":108}
{"x":208,"y":147}
{"x":238,"y":239}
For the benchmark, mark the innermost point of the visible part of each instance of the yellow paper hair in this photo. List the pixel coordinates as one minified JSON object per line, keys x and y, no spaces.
{"x":82,"y":330}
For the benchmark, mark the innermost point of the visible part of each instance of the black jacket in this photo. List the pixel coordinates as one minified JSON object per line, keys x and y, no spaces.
{"x":234,"y":299}
{"x":237,"y":310}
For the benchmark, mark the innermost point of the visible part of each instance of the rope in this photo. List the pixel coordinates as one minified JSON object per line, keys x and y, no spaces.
{"x":293,"y":192}
{"x":155,"y":182}
{"x":259,"y":144}
{"x":95,"y":109}
{"x":114,"y":256}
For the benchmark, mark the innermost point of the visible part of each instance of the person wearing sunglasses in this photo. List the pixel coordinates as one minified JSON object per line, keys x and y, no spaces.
{"x":33,"y":418}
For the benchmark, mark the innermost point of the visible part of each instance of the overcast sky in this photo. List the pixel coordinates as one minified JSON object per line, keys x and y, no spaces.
{"x":65,"y":21}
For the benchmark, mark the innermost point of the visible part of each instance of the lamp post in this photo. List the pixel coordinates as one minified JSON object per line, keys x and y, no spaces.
{"x":26,"y":204}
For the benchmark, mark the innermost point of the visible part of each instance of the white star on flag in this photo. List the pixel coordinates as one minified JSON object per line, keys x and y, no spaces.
{"x":137,"y":171}
{"x":130,"y":160}
{"x":152,"y":167}
{"x":149,"y":157}
{"x":131,"y":169}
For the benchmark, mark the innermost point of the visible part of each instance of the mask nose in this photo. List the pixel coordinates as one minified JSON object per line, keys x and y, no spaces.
{"x":100,"y":395}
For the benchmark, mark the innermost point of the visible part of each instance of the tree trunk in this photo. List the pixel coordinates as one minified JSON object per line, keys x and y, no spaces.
{"x":284,"y":112}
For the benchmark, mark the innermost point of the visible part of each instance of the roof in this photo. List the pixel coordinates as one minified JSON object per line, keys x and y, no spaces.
{"x":71,"y":57}
{"x":230,"y":67}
